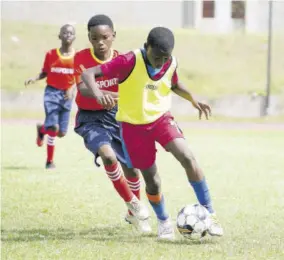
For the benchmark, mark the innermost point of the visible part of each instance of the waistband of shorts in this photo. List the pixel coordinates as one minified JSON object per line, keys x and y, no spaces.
{"x":49,"y":87}
{"x":97,"y":111}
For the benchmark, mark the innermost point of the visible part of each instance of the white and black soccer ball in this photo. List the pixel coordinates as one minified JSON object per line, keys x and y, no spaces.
{"x":193,"y":221}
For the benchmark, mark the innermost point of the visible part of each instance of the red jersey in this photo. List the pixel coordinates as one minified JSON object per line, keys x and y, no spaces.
{"x":85,"y":59}
{"x":59,"y":69}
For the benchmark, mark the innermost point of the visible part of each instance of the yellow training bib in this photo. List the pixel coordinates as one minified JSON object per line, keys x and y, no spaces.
{"x":143,"y":100}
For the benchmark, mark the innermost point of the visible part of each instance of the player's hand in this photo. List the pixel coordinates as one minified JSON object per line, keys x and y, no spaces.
{"x":68,"y":94}
{"x":202,"y":109}
{"x":30,"y":81}
{"x":107,"y":101}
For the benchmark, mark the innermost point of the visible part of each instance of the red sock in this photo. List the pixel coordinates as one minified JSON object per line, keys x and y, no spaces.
{"x":114,"y":172}
{"x":50,"y":144}
{"x":42,"y":130}
{"x":134,"y":185}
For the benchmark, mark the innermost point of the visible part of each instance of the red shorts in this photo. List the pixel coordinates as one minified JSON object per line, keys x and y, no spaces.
{"x":139,"y":140}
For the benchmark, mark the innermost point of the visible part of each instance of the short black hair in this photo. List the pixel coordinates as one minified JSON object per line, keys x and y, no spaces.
{"x":100,"y":19}
{"x":161,"y":38}
{"x":66,"y":25}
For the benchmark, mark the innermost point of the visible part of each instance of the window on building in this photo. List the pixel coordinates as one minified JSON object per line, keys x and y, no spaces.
{"x":238,"y":10}
{"x":208,"y":9}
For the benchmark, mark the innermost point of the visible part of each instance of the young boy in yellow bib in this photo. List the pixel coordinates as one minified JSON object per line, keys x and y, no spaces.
{"x":147,"y":77}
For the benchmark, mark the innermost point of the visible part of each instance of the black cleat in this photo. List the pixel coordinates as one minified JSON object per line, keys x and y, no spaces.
{"x":50,"y":165}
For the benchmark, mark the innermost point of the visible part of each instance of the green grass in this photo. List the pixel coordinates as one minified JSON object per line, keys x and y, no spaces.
{"x":211,"y":65}
{"x":74,"y":213}
{"x":26,"y":114}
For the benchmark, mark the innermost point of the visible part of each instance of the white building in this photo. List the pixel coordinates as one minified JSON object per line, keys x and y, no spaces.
{"x":223,"y":16}
{"x":220,"y":16}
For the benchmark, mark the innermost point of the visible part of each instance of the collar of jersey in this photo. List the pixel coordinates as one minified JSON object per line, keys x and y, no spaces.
{"x":65,"y":57}
{"x":101,"y":61}
{"x":152,"y":71}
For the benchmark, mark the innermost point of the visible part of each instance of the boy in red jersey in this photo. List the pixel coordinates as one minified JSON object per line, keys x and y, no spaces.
{"x":147,"y":77}
{"x":58,"y":95}
{"x":98,"y":126}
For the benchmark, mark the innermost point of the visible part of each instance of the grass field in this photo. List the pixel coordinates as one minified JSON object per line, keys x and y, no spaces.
{"x":20,"y":114}
{"x":211,"y":65}
{"x":74,"y":213}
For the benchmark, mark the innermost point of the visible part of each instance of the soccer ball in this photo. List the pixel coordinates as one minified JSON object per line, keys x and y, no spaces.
{"x":193,"y":221}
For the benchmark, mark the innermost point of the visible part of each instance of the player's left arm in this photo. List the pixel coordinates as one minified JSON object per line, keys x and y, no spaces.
{"x":70,"y":92}
{"x":181,"y":90}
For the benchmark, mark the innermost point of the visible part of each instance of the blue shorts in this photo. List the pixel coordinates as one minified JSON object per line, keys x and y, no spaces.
{"x":98,"y":128}
{"x":57,"y":110}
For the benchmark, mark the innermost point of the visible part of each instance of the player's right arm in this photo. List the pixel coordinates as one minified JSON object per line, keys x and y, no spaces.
{"x":87,"y":93}
{"x":88,"y":77}
{"x":42,"y":74}
{"x":78,"y":71}
{"x":120,"y":68}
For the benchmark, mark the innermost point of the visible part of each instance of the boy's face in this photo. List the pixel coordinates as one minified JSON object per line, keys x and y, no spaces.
{"x":101,"y":37}
{"x":157,"y":58}
{"x":67,"y":34}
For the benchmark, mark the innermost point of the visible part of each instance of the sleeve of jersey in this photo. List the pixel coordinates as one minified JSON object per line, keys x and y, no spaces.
{"x":78,"y":68}
{"x":175,"y":78}
{"x":46,"y":64}
{"x":120,"y":67}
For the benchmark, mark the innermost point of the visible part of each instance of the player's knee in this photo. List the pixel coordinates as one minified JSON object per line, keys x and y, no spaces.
{"x":54,"y":128}
{"x":108,"y":158}
{"x":61,"y":134}
{"x":130,"y":173}
{"x":187,"y":160}
{"x":153,"y":185}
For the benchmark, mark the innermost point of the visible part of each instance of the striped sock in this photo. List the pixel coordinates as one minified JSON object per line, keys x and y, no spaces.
{"x":51,"y":135}
{"x":134,"y":185}
{"x":50,"y":148}
{"x":158,"y":204}
{"x":115,"y":174}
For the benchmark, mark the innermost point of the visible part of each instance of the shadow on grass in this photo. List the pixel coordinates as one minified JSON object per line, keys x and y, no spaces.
{"x":104,"y":233}
{"x":18,"y":168}
{"x":98,"y":233}
{"x":185,"y":241}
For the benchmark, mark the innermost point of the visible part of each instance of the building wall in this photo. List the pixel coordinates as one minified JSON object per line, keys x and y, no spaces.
{"x":222,"y":22}
{"x":123,"y":13}
{"x":148,"y":13}
{"x":257,"y":16}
